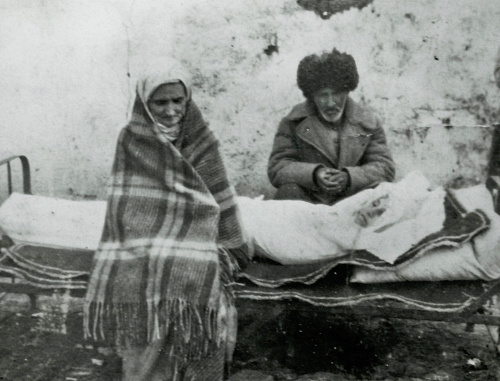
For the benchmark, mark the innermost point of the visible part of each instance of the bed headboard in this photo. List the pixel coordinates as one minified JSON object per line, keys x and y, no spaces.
{"x":12,"y":171}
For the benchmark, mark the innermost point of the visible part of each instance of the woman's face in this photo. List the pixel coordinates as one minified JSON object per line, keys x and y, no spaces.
{"x":168,"y":104}
{"x":330,"y":104}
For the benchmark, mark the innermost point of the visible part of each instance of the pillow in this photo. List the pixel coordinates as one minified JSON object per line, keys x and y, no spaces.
{"x":439,"y":264}
{"x":49,"y":221}
{"x":478,"y":259}
{"x":488,"y":243}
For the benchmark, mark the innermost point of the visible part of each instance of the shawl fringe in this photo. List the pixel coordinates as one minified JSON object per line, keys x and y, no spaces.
{"x":193,"y":331}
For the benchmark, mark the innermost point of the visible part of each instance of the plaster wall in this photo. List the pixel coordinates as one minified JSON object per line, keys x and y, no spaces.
{"x":69,"y":70}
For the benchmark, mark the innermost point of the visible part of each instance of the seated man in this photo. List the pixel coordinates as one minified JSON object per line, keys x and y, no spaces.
{"x":328,"y":147}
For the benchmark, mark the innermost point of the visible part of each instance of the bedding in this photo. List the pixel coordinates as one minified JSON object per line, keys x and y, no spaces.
{"x":56,"y":222}
{"x":387,"y":222}
{"x":51,"y":268}
{"x":466,"y":247}
{"x":455,"y":296}
{"x":477,"y":259}
{"x":459,"y":228}
{"x":47,"y":267}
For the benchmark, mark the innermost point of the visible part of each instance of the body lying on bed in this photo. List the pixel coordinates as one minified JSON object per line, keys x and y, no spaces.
{"x":394,"y":232}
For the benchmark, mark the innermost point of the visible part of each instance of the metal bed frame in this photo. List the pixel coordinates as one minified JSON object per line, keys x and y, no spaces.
{"x":484,"y":309}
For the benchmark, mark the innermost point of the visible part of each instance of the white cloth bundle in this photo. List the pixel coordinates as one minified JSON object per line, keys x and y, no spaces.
{"x":470,"y":261}
{"x":395,"y":216}
{"x":49,"y":221}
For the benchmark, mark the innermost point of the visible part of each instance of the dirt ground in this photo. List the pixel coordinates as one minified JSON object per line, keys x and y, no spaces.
{"x":323,"y":349}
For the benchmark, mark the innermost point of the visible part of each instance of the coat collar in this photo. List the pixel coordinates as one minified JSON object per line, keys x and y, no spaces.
{"x":353,"y":136}
{"x":354,"y":114}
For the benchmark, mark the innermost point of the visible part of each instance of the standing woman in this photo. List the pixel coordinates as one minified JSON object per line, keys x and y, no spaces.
{"x":159,"y":288}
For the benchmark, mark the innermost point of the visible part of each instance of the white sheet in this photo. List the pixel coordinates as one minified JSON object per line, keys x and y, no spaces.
{"x":467,"y":262}
{"x":52,"y":221}
{"x":297,"y":232}
{"x":290,"y":232}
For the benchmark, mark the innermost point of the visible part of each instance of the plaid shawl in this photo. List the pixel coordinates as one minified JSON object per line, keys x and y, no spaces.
{"x":158,"y":268}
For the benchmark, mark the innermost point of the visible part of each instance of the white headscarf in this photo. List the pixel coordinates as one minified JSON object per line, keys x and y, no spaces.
{"x":155,"y":74}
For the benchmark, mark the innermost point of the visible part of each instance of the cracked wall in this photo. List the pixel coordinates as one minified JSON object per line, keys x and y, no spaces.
{"x":69,"y":70}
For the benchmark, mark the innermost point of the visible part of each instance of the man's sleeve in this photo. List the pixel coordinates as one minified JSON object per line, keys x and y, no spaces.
{"x":375,"y":166}
{"x":284,"y":165}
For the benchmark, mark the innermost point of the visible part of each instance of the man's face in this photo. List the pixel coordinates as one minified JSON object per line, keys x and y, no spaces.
{"x":368,"y":214}
{"x":330,"y":104}
{"x":168,"y":104}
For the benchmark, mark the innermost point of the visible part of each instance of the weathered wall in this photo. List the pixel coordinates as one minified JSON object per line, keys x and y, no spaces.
{"x":69,"y":70}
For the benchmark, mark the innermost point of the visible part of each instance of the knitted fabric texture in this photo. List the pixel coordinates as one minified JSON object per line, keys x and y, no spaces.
{"x":158,"y":268}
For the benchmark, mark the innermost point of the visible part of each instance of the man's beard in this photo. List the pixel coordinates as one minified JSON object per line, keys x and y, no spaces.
{"x":332,"y":118}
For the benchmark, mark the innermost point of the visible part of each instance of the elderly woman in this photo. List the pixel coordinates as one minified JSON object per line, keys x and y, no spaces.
{"x":160,"y":283}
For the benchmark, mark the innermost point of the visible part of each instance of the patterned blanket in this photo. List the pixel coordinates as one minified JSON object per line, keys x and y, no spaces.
{"x":170,"y":208}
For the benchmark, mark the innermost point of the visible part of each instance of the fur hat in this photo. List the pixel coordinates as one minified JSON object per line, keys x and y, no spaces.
{"x":334,"y":70}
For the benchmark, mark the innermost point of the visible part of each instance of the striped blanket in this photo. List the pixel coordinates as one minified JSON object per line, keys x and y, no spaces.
{"x":159,"y":266}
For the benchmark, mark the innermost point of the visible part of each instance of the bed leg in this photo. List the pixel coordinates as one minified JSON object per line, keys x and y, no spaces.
{"x":33,"y":304}
{"x":494,"y":332}
{"x":288,"y":325}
